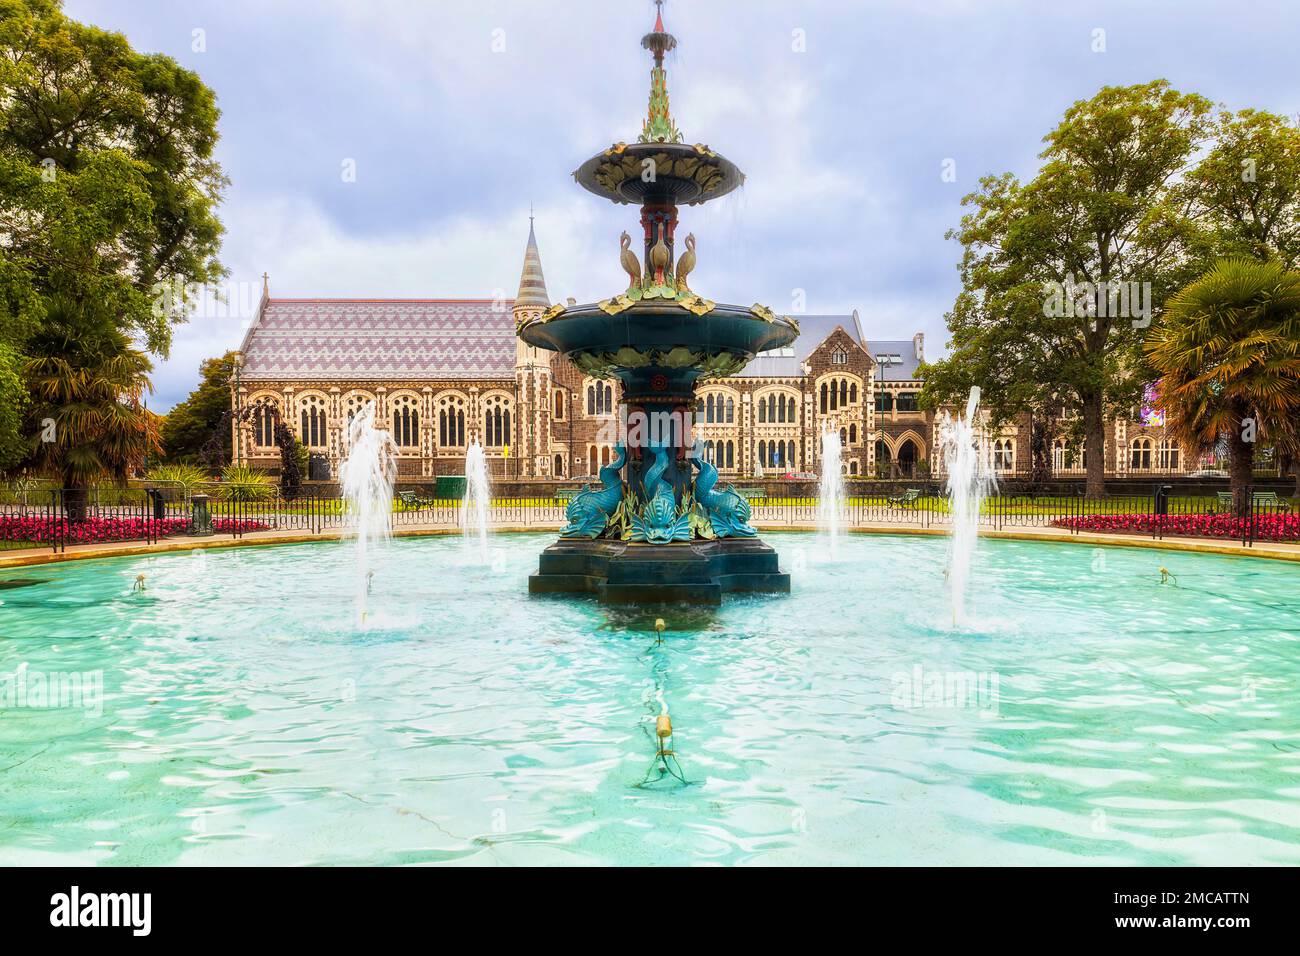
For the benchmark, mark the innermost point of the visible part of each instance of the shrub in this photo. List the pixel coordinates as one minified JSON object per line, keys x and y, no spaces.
{"x":188,"y":477}
{"x":245,"y":484}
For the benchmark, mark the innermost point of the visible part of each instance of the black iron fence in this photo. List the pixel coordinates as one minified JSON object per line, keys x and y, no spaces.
{"x":62,"y":518}
{"x":1254,"y":516}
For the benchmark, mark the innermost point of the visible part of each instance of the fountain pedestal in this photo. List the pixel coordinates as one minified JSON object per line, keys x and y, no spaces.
{"x":692,"y":572}
{"x":659,"y":526}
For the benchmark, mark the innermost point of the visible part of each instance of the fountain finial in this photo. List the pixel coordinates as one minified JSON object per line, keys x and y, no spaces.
{"x":659,"y":126}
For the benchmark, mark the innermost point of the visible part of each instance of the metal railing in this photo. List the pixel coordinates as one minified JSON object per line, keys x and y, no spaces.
{"x":63,"y":518}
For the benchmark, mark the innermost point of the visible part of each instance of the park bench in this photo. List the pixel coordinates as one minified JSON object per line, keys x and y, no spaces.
{"x":565,"y":495}
{"x":413,"y":499}
{"x":1269,"y":499}
{"x":752,"y":494}
{"x":1262,"y":499}
{"x":908,"y":497}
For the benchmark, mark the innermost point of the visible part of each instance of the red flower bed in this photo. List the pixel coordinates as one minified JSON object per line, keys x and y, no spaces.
{"x":1268,"y":527}
{"x":41,"y":529}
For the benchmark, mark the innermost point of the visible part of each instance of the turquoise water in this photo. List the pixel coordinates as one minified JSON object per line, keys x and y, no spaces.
{"x":1108,"y":719}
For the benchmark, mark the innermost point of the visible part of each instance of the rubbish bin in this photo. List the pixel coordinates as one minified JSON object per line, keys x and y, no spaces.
{"x":449,"y":488}
{"x":202,"y":523}
{"x":158,"y":503}
{"x":1162,"y":499}
{"x":318,"y":468}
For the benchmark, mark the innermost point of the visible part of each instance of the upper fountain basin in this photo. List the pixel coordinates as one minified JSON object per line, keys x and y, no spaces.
{"x":660,"y":334}
{"x":659,"y":173}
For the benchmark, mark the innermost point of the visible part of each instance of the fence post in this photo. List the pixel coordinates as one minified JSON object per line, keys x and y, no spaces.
{"x":53,"y":513}
{"x":1249,"y":525}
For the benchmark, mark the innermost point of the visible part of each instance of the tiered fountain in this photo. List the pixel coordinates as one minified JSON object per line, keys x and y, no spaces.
{"x":659,"y":528}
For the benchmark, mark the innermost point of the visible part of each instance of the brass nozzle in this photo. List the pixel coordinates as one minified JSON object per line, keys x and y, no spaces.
{"x":663,"y":727}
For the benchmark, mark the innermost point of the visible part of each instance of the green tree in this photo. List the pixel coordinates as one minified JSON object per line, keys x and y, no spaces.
{"x":1247,"y":188}
{"x":1228,"y":352}
{"x":108,"y":188}
{"x":192,"y":423}
{"x":1036,"y":323}
{"x":13,"y":402}
{"x":87,"y":415}
{"x":86,"y":117}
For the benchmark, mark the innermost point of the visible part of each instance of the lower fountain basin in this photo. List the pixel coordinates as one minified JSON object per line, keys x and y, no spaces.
{"x":689,"y":572}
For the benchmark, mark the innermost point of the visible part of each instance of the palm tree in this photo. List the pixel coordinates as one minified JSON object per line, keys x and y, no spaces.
{"x":1228,"y":353}
{"x":87,"y":384}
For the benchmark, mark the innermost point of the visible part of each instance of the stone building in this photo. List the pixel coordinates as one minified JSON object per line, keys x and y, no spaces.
{"x":444,"y":373}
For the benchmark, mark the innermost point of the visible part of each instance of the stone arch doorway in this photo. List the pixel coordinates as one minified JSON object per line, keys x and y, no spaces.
{"x":883,"y":459}
{"x":907,"y":455}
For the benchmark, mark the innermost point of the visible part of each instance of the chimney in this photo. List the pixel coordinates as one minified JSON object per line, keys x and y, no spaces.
{"x":918,"y":341}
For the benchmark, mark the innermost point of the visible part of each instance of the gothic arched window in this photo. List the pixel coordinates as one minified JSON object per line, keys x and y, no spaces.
{"x":1169,"y":453}
{"x":1140,"y":454}
{"x":406,"y":421}
{"x":264,"y":415}
{"x":451,"y":422}
{"x":496,"y":421}
{"x":312,"y":419}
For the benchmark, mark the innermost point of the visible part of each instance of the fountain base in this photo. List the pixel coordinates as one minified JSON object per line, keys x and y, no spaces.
{"x":693,"y":572}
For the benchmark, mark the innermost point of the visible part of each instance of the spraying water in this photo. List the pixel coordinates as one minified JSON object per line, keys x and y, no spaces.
{"x":367,"y":476}
{"x":970,"y":478}
{"x":474,"y":506}
{"x":830,"y":504}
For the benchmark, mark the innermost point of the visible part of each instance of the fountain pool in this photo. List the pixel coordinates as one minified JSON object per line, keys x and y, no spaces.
{"x":1108,"y":718}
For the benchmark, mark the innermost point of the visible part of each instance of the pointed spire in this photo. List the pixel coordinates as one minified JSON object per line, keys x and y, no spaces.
{"x":659,"y":126}
{"x":532,"y":285}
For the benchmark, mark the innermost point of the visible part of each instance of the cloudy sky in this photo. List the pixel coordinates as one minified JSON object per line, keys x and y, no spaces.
{"x":457,"y":114}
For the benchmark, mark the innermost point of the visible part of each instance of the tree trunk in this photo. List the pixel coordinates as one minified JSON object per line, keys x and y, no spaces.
{"x":1094,"y":434}
{"x":1040,"y":451}
{"x":1241,"y":470}
{"x":74,"y":500}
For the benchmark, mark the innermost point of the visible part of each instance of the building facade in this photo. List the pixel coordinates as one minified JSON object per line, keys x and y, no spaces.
{"x":445,"y":373}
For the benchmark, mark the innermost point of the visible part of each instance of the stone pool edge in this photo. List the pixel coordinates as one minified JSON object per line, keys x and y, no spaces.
{"x":1276,"y":551}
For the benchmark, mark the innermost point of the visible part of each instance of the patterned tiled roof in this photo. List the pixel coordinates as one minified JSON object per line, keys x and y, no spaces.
{"x":358,"y":339}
